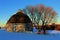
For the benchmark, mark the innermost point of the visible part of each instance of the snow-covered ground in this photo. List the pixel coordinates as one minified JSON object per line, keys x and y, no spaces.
{"x":55,"y":32}
{"x":4,"y":35}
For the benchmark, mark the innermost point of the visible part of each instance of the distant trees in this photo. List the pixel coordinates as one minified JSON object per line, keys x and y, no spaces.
{"x":40,"y":15}
{"x":52,"y":26}
{"x":0,"y":27}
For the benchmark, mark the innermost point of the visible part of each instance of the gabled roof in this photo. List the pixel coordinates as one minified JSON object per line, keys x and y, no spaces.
{"x":19,"y":17}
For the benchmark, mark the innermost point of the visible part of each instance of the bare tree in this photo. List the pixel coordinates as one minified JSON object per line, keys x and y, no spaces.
{"x":40,"y":14}
{"x":46,"y":17}
{"x":30,"y":11}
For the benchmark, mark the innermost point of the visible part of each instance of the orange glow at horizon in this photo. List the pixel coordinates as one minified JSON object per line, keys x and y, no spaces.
{"x":2,"y":24}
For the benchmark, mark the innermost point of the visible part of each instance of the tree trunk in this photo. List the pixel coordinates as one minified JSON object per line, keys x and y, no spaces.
{"x":43,"y":27}
{"x":39,"y":29}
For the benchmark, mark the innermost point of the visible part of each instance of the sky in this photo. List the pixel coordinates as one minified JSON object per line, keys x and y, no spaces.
{"x":10,"y":7}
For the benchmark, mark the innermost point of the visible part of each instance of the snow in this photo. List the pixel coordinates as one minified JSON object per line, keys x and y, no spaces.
{"x":4,"y":35}
{"x":55,"y":32}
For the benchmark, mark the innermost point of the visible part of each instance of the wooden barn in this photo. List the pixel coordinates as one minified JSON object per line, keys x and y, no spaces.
{"x":19,"y":22}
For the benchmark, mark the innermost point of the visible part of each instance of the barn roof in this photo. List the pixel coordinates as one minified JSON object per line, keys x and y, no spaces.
{"x":19,"y":17}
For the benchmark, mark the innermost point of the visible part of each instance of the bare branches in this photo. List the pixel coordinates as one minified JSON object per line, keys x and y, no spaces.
{"x":41,"y":13}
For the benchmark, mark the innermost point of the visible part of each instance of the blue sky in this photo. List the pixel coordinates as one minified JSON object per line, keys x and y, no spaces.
{"x":10,"y":7}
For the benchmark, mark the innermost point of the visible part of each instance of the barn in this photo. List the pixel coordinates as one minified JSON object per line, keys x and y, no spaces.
{"x":19,"y":22}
